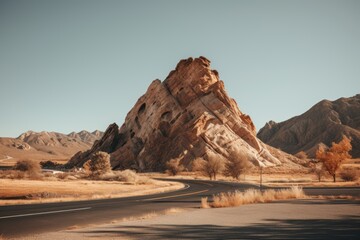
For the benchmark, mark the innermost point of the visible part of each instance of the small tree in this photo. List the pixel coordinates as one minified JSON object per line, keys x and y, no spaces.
{"x":174,"y":167}
{"x":210,"y":168}
{"x":99,"y":163}
{"x":236,"y":165}
{"x":334,"y":156}
{"x":318,"y":170}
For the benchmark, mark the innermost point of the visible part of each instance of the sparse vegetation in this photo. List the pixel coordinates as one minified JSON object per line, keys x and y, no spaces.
{"x":173,"y":167}
{"x":236,"y":165}
{"x":335,"y":156}
{"x":237,"y":198}
{"x":210,"y":168}
{"x":50,"y":165}
{"x":99,"y":164}
{"x":31,"y":169}
{"x":318,"y":170}
{"x":301,"y":155}
{"x":349,"y":175}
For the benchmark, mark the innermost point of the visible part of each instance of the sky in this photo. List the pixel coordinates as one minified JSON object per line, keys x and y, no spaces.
{"x":71,"y":65}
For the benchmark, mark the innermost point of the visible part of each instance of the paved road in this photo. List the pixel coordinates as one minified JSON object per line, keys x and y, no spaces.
{"x":29,"y":219}
{"x":25,"y":219}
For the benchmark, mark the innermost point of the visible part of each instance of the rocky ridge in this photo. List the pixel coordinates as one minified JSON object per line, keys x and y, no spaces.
{"x":188,"y":115}
{"x":47,"y":145}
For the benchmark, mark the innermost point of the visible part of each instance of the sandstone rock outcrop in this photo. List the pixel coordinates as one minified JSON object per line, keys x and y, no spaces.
{"x":188,"y":115}
{"x":324,"y":123}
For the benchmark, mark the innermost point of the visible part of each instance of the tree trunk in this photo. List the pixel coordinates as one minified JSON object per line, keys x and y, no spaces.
{"x":334,"y":176}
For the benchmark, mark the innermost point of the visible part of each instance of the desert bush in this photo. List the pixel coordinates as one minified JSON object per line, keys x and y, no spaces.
{"x":237,"y":164}
{"x":12,"y":174}
{"x":349,"y":175}
{"x":237,"y":198}
{"x":127,"y":176}
{"x":50,"y":165}
{"x":210,"y":168}
{"x":99,"y":164}
{"x":173,"y":167}
{"x":31,"y":168}
{"x":301,"y":155}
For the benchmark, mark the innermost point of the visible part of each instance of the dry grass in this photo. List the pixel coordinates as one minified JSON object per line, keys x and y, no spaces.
{"x":34,"y":191}
{"x":204,"y":203}
{"x":237,"y":198}
{"x":127,"y":176}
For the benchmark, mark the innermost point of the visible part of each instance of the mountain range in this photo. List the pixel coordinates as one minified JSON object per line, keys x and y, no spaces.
{"x":324,"y":123}
{"x":47,"y":145}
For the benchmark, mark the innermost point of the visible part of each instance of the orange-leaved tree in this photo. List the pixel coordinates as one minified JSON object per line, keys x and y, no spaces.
{"x":333,"y":157}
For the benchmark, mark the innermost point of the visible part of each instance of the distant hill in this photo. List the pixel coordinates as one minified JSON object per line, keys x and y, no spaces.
{"x":47,"y":145}
{"x":324,"y":123}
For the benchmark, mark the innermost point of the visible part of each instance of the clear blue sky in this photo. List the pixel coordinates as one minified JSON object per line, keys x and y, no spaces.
{"x":72,"y":65}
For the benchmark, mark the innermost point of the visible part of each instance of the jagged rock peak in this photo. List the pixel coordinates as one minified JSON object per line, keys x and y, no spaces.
{"x":188,"y":115}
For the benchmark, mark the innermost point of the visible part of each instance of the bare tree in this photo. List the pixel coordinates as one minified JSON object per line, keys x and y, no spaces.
{"x":237,"y":164}
{"x":318,"y":170}
{"x":99,"y":163}
{"x":335,"y":156}
{"x":211,"y":167}
{"x":174,"y":167}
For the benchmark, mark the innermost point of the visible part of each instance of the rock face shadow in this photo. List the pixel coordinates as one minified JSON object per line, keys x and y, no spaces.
{"x":346,"y":227}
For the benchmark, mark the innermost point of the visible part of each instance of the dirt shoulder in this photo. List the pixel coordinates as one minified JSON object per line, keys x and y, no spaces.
{"x":15,"y":191}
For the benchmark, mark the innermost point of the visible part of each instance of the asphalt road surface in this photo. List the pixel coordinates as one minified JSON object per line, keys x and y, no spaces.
{"x":20,"y":220}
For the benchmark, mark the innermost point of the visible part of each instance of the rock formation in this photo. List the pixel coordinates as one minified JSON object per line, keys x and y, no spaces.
{"x":188,"y":115}
{"x":324,"y":123}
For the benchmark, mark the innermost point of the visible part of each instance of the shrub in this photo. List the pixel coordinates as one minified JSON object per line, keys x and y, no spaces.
{"x":31,"y":168}
{"x":349,"y":175}
{"x":301,"y":155}
{"x":99,"y":164}
{"x":210,"y":168}
{"x":12,"y":174}
{"x":127,"y":176}
{"x":50,"y":165}
{"x":236,"y":165}
{"x":173,"y":167}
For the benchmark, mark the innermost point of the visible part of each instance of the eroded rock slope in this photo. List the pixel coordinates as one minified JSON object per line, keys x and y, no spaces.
{"x":188,"y":115}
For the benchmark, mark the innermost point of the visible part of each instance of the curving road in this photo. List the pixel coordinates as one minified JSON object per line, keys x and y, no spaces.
{"x":30,"y":219}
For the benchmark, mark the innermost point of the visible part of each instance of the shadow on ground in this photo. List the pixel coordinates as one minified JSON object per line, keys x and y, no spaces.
{"x":346,"y":227}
